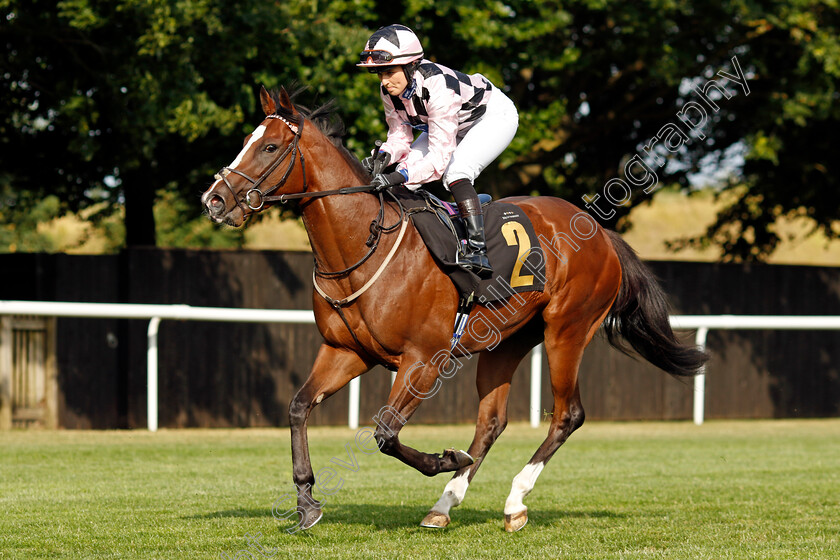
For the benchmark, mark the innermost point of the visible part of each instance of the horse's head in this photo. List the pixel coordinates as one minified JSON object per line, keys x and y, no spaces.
{"x":264,"y":165}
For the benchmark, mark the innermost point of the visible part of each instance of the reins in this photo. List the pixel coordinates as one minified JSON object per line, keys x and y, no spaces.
{"x":373,"y":242}
{"x":283,"y":198}
{"x":338,"y":303}
{"x":293,"y":149}
{"x":377,"y":226}
{"x":376,"y":229}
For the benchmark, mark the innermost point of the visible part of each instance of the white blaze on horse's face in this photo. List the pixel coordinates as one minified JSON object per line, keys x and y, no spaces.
{"x":255,"y":136}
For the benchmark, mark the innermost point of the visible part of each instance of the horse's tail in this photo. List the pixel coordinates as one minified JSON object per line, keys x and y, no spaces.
{"x":639,"y":315}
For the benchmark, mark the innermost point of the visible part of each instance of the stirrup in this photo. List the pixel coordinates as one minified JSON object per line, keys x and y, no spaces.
{"x":477,"y":263}
{"x":465,"y":305}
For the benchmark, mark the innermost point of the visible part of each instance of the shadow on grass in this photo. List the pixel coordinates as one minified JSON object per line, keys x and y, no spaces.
{"x":381,"y":517}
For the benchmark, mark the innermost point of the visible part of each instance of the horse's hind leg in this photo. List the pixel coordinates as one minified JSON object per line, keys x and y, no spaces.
{"x":493,"y":376}
{"x":564,"y":355}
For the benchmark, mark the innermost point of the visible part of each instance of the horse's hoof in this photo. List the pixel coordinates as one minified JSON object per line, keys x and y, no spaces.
{"x":516,"y":521}
{"x":458,"y":458}
{"x":311,"y":519}
{"x":435,"y":520}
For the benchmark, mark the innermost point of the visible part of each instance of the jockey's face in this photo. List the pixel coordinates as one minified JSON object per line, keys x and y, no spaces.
{"x":393,"y":80}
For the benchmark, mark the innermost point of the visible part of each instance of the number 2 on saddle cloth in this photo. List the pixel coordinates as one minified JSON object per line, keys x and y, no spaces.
{"x":512,"y":247}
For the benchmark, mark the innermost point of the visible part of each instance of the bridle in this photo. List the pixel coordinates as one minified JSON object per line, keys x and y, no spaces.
{"x":377,"y":226}
{"x":263,"y":196}
{"x":293,"y":149}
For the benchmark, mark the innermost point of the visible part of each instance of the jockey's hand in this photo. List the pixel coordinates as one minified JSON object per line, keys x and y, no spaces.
{"x":382,"y":160}
{"x":385,"y":180}
{"x":376,"y":163}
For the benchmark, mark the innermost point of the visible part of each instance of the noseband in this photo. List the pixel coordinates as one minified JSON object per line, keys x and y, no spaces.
{"x":263,"y":196}
{"x":376,"y":227}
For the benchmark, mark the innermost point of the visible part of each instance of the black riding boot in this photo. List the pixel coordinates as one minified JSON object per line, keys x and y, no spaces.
{"x":475,"y":251}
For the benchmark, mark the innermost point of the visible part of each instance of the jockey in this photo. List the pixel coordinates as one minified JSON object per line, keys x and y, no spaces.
{"x":465,"y":122}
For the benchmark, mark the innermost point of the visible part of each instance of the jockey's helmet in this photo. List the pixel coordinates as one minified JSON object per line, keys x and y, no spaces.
{"x":392,"y":45}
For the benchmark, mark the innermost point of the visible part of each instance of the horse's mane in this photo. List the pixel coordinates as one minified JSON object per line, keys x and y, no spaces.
{"x":325,"y":120}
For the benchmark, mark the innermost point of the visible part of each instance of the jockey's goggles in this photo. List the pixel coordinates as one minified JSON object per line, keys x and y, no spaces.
{"x":381,"y":57}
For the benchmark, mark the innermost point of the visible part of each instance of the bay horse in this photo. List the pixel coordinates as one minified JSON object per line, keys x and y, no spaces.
{"x":381,"y":298}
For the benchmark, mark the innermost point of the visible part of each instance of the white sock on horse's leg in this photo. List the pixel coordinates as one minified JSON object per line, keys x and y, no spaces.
{"x":453,"y":493}
{"x":522,"y":485}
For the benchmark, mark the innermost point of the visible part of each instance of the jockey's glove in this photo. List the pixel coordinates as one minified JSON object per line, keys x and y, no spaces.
{"x":374,"y":164}
{"x":385,"y":180}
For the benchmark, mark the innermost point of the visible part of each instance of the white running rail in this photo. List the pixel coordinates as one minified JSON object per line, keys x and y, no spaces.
{"x":704,"y":323}
{"x":156,"y":313}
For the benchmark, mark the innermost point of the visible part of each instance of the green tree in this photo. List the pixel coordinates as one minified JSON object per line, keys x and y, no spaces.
{"x":595,"y":80}
{"x":119,"y":100}
{"x":21,"y":233}
{"x":116,"y":100}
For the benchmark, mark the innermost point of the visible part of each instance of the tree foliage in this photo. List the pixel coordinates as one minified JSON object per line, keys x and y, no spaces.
{"x":119,"y":100}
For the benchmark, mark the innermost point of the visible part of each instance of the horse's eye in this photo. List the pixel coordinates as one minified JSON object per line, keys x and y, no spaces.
{"x":271,"y":148}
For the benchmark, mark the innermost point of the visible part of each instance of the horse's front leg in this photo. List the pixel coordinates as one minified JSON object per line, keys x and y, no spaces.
{"x":415,"y":382}
{"x":332,"y":370}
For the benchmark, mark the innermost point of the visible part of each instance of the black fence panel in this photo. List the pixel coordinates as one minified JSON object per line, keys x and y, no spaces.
{"x":240,"y":374}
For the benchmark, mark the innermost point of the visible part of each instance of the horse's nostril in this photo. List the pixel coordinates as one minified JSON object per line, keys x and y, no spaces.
{"x":215,"y":205}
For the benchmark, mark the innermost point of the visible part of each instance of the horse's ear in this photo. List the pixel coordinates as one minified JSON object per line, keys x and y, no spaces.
{"x":267,"y":102}
{"x":286,"y":101}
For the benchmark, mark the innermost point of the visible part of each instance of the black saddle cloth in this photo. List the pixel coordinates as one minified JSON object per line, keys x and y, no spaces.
{"x":510,"y":237}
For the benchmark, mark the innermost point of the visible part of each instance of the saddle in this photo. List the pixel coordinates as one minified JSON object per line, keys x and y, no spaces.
{"x":513,"y":247}
{"x":450,"y":217}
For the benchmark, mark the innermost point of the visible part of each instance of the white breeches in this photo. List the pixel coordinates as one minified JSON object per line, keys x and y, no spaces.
{"x":482,"y":143}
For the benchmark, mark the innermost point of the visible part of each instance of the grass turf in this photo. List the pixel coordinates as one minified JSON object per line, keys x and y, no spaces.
{"x":747,"y":489}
